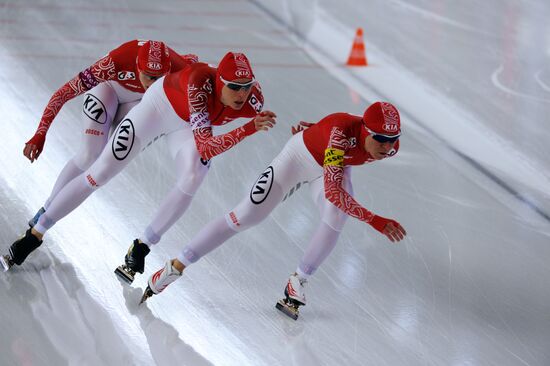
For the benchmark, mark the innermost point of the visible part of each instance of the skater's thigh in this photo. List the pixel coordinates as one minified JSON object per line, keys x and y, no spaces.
{"x":100,"y":106}
{"x":330,"y":214}
{"x":291,"y":166}
{"x":265,"y":194}
{"x":123,"y":110}
{"x":140,"y":126}
{"x":188,"y":164}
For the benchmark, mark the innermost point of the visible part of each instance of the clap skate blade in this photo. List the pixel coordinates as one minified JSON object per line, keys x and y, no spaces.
{"x":125,"y":273}
{"x":288,"y":307}
{"x":6,"y":262}
{"x":146,"y":294}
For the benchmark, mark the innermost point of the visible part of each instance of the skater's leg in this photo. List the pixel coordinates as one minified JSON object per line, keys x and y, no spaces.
{"x":319,"y":248}
{"x":80,"y":188}
{"x":141,"y":125}
{"x":191,"y":170}
{"x":209,"y":238}
{"x":99,"y":109}
{"x":244,"y":216}
{"x":293,"y":164}
{"x":327,"y":232}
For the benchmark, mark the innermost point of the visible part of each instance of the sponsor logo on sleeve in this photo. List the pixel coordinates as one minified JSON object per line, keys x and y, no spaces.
{"x":255,"y":103}
{"x":94,"y":109}
{"x":262,"y":186}
{"x":123,"y":139}
{"x":199,"y":120}
{"x":88,"y":78}
{"x":126,"y":75}
{"x":334,"y":157}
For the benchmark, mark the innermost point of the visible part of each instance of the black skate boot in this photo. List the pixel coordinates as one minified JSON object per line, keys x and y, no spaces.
{"x":20,"y":250}
{"x":134,"y":261}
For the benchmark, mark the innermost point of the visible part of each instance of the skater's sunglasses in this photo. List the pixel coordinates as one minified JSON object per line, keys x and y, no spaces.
{"x":238,"y":86}
{"x":383,"y":138}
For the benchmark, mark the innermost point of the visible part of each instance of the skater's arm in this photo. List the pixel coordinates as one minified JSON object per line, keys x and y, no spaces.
{"x":209,"y":145}
{"x":333,"y":176}
{"x":102,"y":70}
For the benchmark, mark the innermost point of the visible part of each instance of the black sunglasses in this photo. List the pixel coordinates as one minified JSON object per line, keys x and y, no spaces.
{"x":383,"y":138}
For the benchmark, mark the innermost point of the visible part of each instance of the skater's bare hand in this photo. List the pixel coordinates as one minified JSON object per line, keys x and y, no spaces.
{"x":300,"y":127}
{"x":394,"y":231}
{"x":33,"y":147}
{"x":265,"y":120}
{"x":391,"y":228}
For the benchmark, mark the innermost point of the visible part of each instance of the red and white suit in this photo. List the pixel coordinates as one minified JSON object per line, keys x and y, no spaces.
{"x":321,"y":156}
{"x":183,"y":107}
{"x":112,"y":87}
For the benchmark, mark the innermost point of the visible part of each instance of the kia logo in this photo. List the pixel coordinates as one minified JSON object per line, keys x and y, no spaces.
{"x":95,"y":109}
{"x":154,"y":66}
{"x":123,"y":139}
{"x":262,"y":186}
{"x":390,"y":127}
{"x":242,"y":73}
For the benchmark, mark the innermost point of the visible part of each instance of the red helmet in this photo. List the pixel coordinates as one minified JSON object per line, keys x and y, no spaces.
{"x":231,"y":67}
{"x":154,"y":58}
{"x":382,"y":118}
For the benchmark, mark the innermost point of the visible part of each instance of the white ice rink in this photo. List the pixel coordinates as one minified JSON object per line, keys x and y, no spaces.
{"x":471,"y":184}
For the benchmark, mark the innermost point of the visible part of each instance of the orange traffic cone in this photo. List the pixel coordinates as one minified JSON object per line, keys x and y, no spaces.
{"x":357,"y":56}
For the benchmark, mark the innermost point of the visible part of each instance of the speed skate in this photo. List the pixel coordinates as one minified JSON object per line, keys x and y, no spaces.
{"x":288,"y":307}
{"x":125,"y":273}
{"x":146,"y":294}
{"x":6,"y":262}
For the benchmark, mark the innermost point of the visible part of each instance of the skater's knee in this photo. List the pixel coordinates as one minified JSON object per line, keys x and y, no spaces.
{"x":96,"y":179}
{"x":189,"y":183}
{"x":84,"y":159}
{"x":241,"y":222}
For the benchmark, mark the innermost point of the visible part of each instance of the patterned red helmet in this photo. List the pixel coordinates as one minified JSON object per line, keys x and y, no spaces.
{"x":235,"y":66}
{"x":382,"y":118}
{"x":154,"y":58}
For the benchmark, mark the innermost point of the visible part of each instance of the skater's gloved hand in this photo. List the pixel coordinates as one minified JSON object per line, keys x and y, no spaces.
{"x":33,"y":147}
{"x":300,"y":127}
{"x":391,"y":228}
{"x":265,"y":120}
